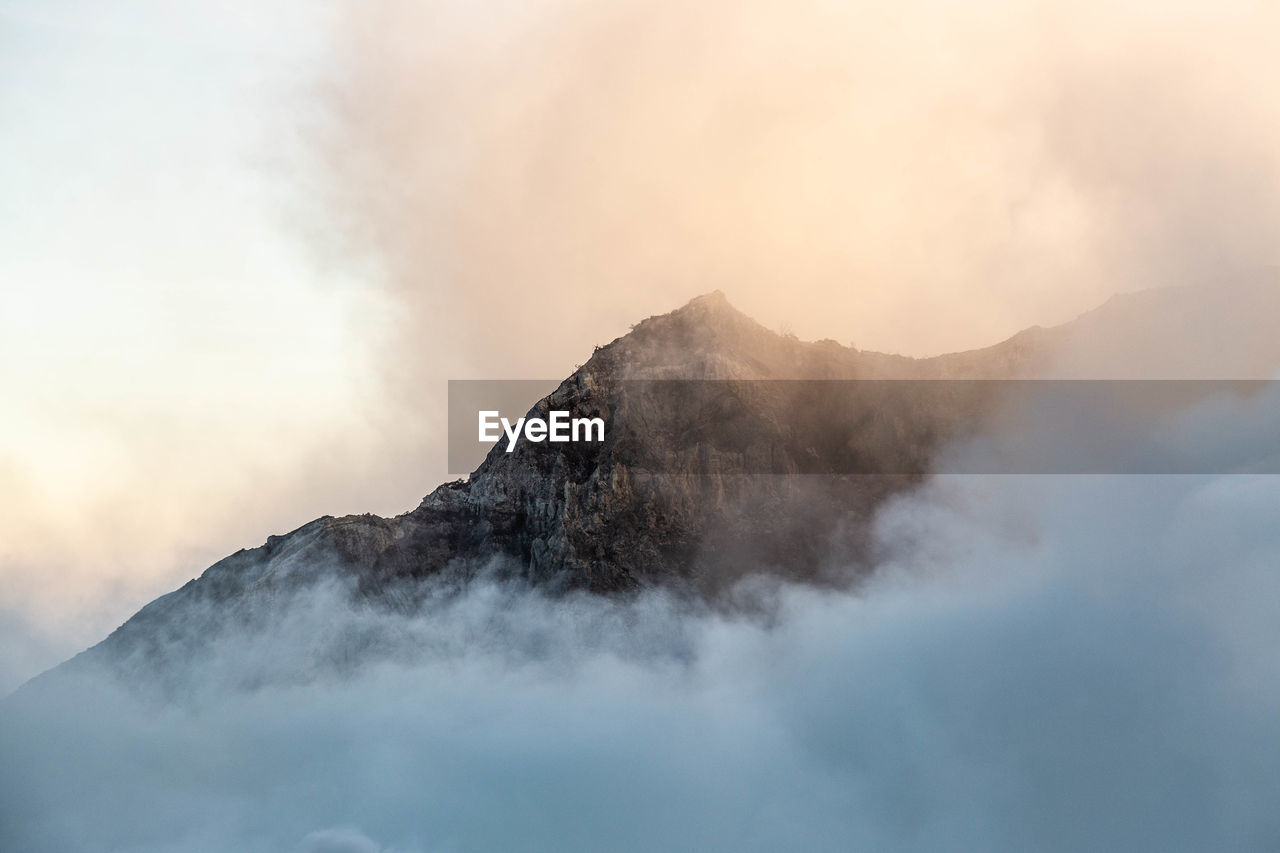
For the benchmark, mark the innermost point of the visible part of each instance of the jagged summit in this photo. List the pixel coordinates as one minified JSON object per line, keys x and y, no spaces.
{"x":711,"y":302}
{"x":712,"y":313}
{"x":705,"y":338}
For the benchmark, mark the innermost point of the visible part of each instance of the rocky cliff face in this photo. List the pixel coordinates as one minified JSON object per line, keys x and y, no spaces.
{"x":697,"y":484}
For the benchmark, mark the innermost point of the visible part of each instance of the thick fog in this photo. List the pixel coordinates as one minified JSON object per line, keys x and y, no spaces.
{"x":1048,"y":663}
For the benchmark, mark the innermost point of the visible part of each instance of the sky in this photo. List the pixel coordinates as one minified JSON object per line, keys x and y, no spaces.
{"x":170,"y":357}
{"x":244,"y":245}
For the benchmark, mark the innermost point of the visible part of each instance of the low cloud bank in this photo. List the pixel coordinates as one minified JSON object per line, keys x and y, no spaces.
{"x":1052,"y":663}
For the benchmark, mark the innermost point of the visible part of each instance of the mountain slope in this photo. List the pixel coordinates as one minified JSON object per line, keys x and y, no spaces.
{"x":692,"y":490}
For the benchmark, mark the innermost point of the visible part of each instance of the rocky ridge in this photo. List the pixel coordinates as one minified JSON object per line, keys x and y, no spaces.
{"x":692,"y":491}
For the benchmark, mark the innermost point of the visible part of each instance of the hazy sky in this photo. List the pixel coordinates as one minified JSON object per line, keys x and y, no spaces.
{"x":243,"y":244}
{"x":170,"y":357}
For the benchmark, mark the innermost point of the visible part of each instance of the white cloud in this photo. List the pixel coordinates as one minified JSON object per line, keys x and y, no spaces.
{"x":1093,"y":670}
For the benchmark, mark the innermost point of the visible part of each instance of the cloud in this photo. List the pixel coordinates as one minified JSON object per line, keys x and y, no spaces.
{"x":1051,"y":663}
{"x":919,"y":177}
{"x":160,"y":331}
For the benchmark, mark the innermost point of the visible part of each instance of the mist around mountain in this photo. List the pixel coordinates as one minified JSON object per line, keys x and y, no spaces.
{"x":651,"y":644}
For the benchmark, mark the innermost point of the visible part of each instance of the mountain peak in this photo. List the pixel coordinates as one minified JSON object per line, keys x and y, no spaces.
{"x":665,"y":499}
{"x":705,"y":338}
{"x":713,"y":307}
{"x":713,"y":301}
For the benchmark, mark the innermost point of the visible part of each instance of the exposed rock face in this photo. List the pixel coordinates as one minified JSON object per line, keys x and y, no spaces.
{"x":674,"y":495}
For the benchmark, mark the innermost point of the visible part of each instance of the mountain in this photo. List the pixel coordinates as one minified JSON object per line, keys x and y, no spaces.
{"x":717,"y":465}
